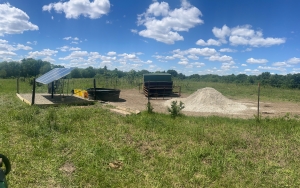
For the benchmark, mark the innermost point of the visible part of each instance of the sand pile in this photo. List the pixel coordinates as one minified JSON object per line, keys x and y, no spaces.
{"x":209,"y":100}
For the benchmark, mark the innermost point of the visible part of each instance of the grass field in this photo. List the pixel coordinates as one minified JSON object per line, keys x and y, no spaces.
{"x":92,"y":147}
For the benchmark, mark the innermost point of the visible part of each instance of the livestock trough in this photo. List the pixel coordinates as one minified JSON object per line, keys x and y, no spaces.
{"x":103,"y":94}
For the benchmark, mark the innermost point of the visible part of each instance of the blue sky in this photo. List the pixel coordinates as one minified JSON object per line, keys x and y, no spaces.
{"x":190,"y":36}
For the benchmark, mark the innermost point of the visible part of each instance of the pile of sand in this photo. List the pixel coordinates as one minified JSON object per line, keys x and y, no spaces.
{"x":209,"y":100}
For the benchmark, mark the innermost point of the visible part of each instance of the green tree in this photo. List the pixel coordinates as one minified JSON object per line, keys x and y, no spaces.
{"x":172,"y":72}
{"x":2,"y":73}
{"x":75,"y":73}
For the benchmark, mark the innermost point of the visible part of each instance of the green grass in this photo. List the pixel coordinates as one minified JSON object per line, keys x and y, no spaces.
{"x":153,"y":150}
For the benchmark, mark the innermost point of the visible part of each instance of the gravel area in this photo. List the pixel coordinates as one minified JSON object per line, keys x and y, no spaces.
{"x":245,"y":108}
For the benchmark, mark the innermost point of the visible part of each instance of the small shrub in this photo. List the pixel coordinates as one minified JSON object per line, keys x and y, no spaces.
{"x":176,"y":108}
{"x":149,"y":108}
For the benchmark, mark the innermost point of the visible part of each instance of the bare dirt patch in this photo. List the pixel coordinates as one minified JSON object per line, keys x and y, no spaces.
{"x":135,"y":100}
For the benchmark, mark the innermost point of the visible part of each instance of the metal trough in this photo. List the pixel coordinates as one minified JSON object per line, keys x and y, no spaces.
{"x":103,"y":94}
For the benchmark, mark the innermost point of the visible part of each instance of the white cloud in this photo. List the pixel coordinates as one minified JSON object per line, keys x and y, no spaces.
{"x":210,"y":42}
{"x":34,"y":42}
{"x":134,"y":31}
{"x":244,"y":35}
{"x":244,"y":65}
{"x":281,"y":64}
{"x":67,"y":48}
{"x":271,"y":68}
{"x":23,"y":47}
{"x":75,"y":8}
{"x":193,"y":57}
{"x":256,"y":61}
{"x":163,"y":24}
{"x":14,"y":20}
{"x":43,"y":53}
{"x":198,"y":65}
{"x":5,"y":46}
{"x":294,"y":60}
{"x":227,"y":50}
{"x":67,"y":38}
{"x":49,"y":59}
{"x":184,"y":55}
{"x":201,"y":51}
{"x":220,"y":58}
{"x":221,"y":33}
{"x":3,"y":53}
{"x":128,"y":56}
{"x":75,"y":55}
{"x":75,"y":49}
{"x":183,"y":62}
{"x":111,"y":53}
{"x":64,"y":48}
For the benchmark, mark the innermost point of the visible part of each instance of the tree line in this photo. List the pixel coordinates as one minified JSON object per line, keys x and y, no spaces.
{"x":33,"y":68}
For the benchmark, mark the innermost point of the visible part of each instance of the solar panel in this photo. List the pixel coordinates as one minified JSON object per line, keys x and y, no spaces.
{"x":54,"y":74}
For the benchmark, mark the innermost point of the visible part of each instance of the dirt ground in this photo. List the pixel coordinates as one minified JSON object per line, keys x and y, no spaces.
{"x":137,"y":101}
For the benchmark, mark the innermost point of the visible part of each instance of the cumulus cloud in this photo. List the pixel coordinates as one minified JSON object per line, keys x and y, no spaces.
{"x":183,"y":62}
{"x":198,"y":65}
{"x":43,"y":53}
{"x":111,"y":53}
{"x":75,"y":54}
{"x":14,"y":20}
{"x":7,"y":49}
{"x":210,"y":42}
{"x":67,"y":48}
{"x":256,"y":61}
{"x":193,"y":57}
{"x":163,"y":24}
{"x":2,"y":53}
{"x":220,"y":58}
{"x":201,"y":51}
{"x":185,"y":55}
{"x":245,"y":35}
{"x":271,"y":68}
{"x":75,"y":8}
{"x":221,"y":33}
{"x":227,"y":50}
{"x":5,"y":46}
{"x":294,"y":60}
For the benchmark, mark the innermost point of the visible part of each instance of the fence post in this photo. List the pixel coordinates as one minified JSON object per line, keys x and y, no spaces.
{"x":258,"y":100}
{"x":33,"y":92}
{"x":52,"y":89}
{"x":18,"y":85}
{"x":94,"y":89}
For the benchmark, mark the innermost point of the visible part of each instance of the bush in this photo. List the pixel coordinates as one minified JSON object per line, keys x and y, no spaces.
{"x":176,"y":108}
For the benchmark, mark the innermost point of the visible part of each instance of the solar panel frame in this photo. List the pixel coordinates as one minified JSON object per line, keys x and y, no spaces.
{"x":54,"y":74}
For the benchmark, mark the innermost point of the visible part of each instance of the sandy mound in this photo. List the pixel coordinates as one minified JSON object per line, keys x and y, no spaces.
{"x":209,"y":100}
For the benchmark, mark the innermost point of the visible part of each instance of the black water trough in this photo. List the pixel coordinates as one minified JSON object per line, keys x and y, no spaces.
{"x":104,"y":94}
